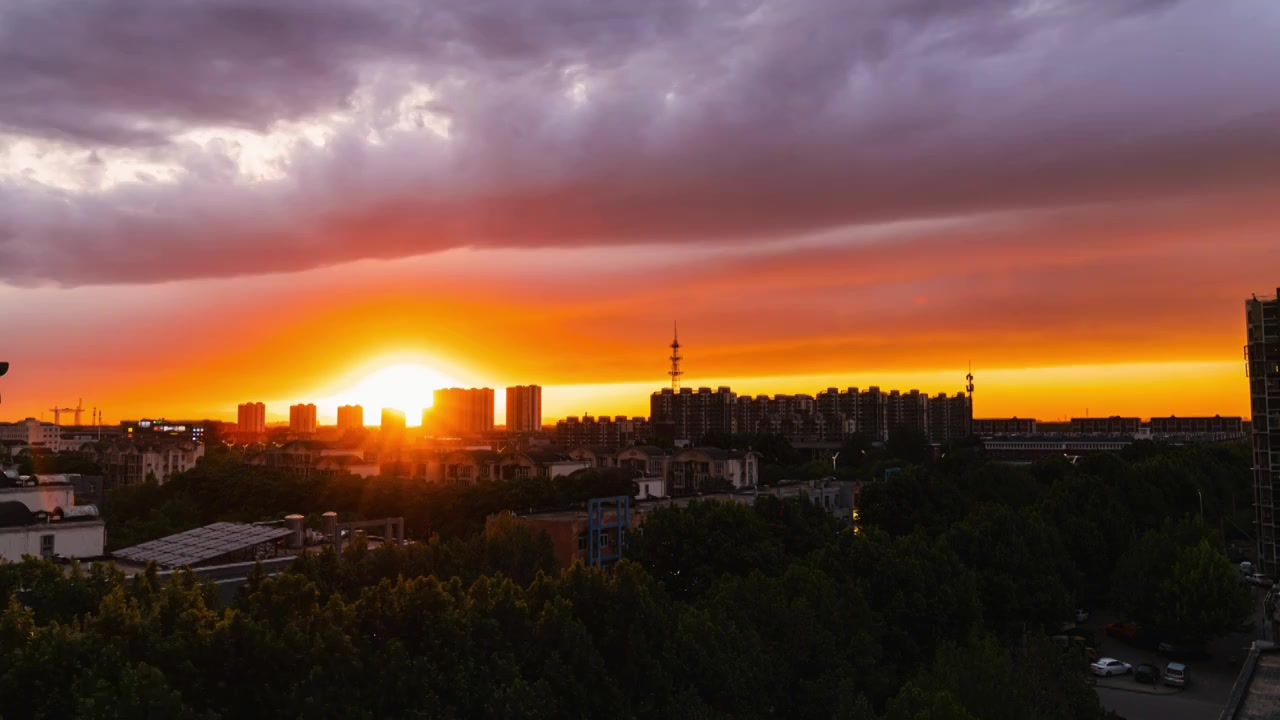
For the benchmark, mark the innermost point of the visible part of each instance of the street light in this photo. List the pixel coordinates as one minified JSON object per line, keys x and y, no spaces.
{"x":1201,"y":506}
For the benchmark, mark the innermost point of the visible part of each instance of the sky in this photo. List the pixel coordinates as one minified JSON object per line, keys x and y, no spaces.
{"x":209,"y":202}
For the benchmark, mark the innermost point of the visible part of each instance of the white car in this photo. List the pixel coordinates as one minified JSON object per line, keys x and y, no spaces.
{"x":1106,"y":667}
{"x":1258,"y":580}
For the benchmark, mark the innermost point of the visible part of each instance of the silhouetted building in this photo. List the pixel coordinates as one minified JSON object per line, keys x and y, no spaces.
{"x":459,"y":411}
{"x":689,"y":415}
{"x":302,"y":419}
{"x":251,"y":418}
{"x":1114,"y":425}
{"x":1216,"y":425}
{"x":1004,"y":426}
{"x":1262,"y":316}
{"x":393,"y":424}
{"x":619,"y":431}
{"x":950,"y":418}
{"x":524,"y":408}
{"x":350,"y":417}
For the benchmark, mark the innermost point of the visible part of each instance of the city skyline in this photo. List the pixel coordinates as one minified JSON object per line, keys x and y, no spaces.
{"x":999,"y":394}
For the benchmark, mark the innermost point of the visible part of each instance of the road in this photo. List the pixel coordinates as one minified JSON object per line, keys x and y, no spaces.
{"x":1141,"y":706}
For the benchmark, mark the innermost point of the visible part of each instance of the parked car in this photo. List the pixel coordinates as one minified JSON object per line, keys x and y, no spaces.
{"x":1145,"y":673}
{"x":1246,"y":568}
{"x":1177,"y":675}
{"x":1259,"y":580}
{"x":1106,"y":667}
{"x":1126,"y":631}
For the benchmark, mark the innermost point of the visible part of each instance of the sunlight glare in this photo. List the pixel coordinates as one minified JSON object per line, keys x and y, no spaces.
{"x":405,"y":387}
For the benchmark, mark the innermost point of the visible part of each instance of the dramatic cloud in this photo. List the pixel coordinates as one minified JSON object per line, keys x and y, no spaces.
{"x":154,"y":140}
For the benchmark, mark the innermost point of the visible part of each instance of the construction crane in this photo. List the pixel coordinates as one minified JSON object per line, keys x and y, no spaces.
{"x":57,"y":414}
{"x":79,"y":410}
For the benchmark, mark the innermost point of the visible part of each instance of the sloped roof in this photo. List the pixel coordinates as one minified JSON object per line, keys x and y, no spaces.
{"x":203,"y":543}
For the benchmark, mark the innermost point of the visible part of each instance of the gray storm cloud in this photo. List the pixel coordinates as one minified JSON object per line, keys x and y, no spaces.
{"x":402,"y":128}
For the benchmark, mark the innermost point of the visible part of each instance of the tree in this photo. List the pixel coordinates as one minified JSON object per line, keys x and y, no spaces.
{"x":1022,"y":569}
{"x":1201,"y":597}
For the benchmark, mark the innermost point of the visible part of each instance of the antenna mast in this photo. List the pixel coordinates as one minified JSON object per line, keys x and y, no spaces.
{"x":675,"y":372}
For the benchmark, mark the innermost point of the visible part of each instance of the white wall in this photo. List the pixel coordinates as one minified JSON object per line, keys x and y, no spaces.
{"x":40,"y":497}
{"x":568,"y":467}
{"x":651,"y":487}
{"x":76,"y":539}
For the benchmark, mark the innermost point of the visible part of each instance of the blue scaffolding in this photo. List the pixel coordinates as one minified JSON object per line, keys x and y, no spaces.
{"x":598,"y":527}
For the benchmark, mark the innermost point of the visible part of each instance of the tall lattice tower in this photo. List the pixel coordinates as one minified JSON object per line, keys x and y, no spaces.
{"x":675,"y":372}
{"x":969,"y":387}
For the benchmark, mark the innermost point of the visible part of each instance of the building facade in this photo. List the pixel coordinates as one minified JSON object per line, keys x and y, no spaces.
{"x":619,"y":431}
{"x":302,"y":419}
{"x":1216,"y":425}
{"x":350,"y":417}
{"x":251,"y":418}
{"x":524,"y":408}
{"x":1004,"y":426}
{"x":1262,"y":319}
{"x":132,"y":462}
{"x":33,"y":433}
{"x":686,"y":416}
{"x":460,"y":411}
{"x":1114,"y":425}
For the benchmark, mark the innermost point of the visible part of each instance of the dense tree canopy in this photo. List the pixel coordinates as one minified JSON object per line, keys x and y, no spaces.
{"x":935,"y":608}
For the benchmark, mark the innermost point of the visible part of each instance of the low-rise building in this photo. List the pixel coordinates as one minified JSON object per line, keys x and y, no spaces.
{"x":33,"y":433}
{"x":131,"y":462}
{"x":692,"y":468}
{"x":599,"y":456}
{"x":1004,"y":426}
{"x":42,"y":520}
{"x":1114,"y":425}
{"x":1215,"y":425}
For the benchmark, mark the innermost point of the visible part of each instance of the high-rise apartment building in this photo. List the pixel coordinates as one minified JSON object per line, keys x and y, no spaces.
{"x":460,"y":411}
{"x":1262,"y":316}
{"x":350,"y":417}
{"x":251,"y":418}
{"x":393,"y":421}
{"x":524,"y":408}
{"x":302,"y":419}
{"x":687,"y":415}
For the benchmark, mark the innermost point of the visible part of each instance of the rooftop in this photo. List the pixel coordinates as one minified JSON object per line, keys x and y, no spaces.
{"x":201,"y":544}
{"x":1256,"y":695}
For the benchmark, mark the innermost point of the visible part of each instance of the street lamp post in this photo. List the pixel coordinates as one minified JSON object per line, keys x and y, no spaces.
{"x":1201,"y":506}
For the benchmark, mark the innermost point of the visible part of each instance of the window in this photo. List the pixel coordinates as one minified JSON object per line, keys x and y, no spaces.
{"x":604,"y":540}
{"x":46,"y":546}
{"x":93,"y":487}
{"x":582,"y":541}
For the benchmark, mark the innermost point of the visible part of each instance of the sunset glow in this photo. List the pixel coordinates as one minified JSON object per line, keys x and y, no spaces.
{"x":371,"y":220}
{"x":404,"y":387}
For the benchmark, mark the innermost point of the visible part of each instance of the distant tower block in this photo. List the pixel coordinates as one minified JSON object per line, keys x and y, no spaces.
{"x":675,"y":372}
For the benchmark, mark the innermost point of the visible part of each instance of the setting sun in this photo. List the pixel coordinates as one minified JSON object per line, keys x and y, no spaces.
{"x":407,"y":387}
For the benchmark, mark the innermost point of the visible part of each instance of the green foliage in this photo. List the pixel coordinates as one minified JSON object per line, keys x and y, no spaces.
{"x":221,"y":488}
{"x":1178,"y":580}
{"x":721,"y":610}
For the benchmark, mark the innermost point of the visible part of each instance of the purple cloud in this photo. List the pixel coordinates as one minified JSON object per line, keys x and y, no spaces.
{"x":158,"y":140}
